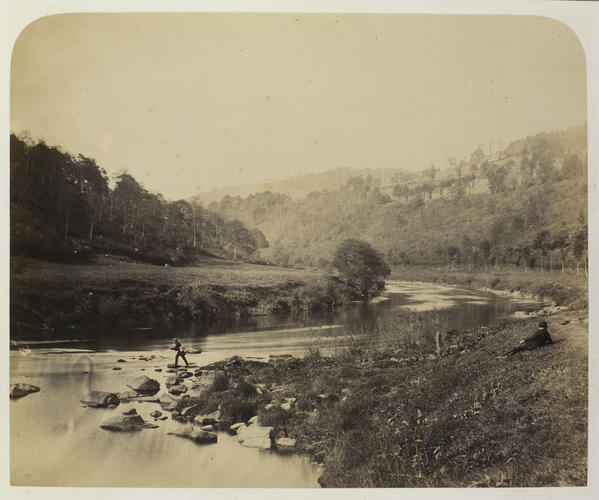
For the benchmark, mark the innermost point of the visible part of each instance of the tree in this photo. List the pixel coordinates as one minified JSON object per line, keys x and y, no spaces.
{"x":360,"y":266}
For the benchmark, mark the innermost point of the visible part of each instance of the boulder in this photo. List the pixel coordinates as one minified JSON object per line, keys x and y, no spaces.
{"x":255,"y":436}
{"x":236,"y":426}
{"x":166,"y":401}
{"x":178,"y":389}
{"x":253,"y":420}
{"x":126,"y":423}
{"x":21,"y":390}
{"x":209,"y":428}
{"x":174,"y":380}
{"x":285,"y":443}
{"x":209,"y":419}
{"x":197,"y":435}
{"x":132,"y":411}
{"x":156,"y":414}
{"x":126,"y":396}
{"x":145,"y":385}
{"x":99,"y":399}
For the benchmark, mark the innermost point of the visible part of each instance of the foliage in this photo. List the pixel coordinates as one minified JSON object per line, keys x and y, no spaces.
{"x":62,"y":208}
{"x":361,"y":266}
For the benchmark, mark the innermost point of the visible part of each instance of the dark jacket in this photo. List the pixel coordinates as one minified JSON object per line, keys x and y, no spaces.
{"x":539,"y":338}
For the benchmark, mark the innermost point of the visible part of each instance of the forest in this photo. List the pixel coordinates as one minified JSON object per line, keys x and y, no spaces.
{"x":525,"y":206}
{"x":63,"y":208}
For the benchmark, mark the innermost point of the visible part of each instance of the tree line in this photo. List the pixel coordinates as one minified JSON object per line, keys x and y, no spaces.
{"x":529,"y":211}
{"x":63,"y":207}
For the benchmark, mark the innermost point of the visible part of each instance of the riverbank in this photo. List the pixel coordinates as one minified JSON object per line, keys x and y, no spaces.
{"x":378,"y":414}
{"x":563,"y":288}
{"x":48,"y":296}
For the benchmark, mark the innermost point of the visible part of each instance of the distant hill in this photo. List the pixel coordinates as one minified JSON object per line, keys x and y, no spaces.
{"x":524,"y":205}
{"x":301,"y":185}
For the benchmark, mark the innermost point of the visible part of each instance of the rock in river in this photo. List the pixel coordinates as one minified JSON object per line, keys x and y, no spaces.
{"x":20,"y":390}
{"x":100,"y":399}
{"x":126,"y":423}
{"x":174,"y":380}
{"x":255,"y":436}
{"x":178,"y":389}
{"x":197,"y":435}
{"x":144,"y":384}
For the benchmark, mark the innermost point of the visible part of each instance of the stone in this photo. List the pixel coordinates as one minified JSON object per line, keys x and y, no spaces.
{"x":255,"y":436}
{"x":126,"y":396}
{"x":167,"y":402}
{"x":269,"y":406}
{"x":236,"y":426}
{"x":99,"y":399}
{"x":178,"y":389}
{"x":197,"y":435}
{"x":21,"y":390}
{"x":209,"y":428}
{"x":208,"y":419}
{"x":253,"y":420}
{"x":172,"y":365}
{"x":198,"y":373}
{"x":164,"y":417}
{"x":132,"y":411}
{"x":286,"y":406}
{"x":121,"y":361}
{"x":185,"y":374}
{"x":291,"y":400}
{"x":170,"y":370}
{"x":117,"y":368}
{"x":156,"y":414}
{"x":157,"y":369}
{"x":174,"y":380}
{"x":126,"y":423}
{"x":285,"y":443}
{"x":144,"y":384}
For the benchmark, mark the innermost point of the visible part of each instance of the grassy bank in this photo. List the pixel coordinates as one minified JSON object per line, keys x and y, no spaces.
{"x":386,"y":411}
{"x":564,"y":288}
{"x":117,"y":291}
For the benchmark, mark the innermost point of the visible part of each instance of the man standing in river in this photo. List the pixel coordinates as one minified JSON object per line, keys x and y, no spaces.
{"x":180,"y":352}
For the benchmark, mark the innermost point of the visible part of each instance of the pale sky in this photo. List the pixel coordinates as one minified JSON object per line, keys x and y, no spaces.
{"x":188,"y":102}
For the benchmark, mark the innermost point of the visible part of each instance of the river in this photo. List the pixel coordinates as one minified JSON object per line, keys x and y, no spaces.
{"x":55,"y":441}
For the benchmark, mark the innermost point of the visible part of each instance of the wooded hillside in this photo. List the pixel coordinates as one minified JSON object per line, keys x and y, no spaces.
{"x":525,"y":205}
{"x":62,"y":208}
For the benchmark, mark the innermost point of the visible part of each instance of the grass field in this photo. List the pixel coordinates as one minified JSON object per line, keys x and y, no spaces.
{"x":51,"y":296}
{"x":207,"y":271}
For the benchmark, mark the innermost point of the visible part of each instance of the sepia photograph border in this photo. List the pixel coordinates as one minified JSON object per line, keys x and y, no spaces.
{"x":581,"y":17}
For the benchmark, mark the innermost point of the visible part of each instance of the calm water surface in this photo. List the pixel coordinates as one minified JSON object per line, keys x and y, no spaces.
{"x":55,"y":441}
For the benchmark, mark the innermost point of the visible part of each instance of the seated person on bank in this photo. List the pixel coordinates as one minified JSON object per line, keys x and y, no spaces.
{"x":540,"y":338}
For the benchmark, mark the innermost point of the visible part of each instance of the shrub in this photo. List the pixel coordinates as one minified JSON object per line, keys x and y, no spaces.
{"x":221,"y":382}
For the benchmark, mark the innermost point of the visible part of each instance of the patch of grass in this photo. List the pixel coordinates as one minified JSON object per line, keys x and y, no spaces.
{"x":464,"y":419}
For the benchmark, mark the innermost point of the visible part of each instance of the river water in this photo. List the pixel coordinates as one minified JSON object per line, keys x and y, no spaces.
{"x":55,"y":441}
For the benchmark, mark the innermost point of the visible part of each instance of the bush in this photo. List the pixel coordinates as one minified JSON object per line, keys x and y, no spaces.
{"x":221,"y":382}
